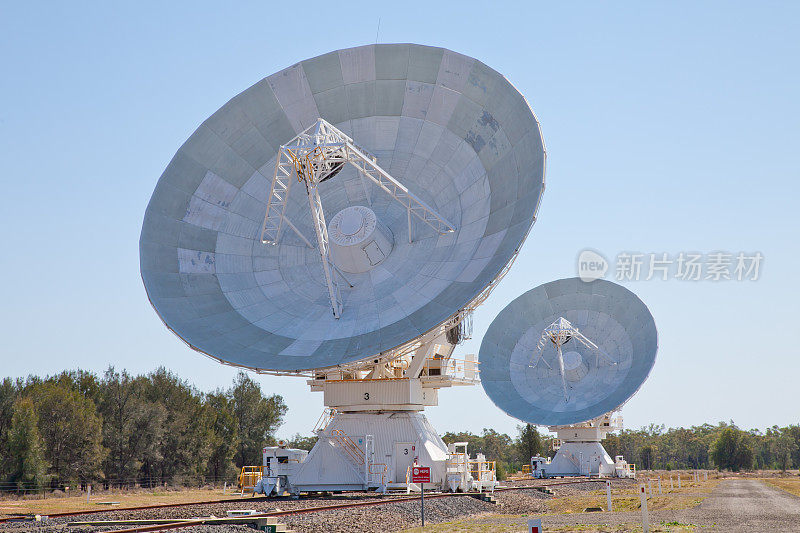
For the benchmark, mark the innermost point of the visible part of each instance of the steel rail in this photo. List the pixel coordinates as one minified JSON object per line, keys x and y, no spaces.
{"x":136,"y":508}
{"x":268,"y":514}
{"x":272,"y":514}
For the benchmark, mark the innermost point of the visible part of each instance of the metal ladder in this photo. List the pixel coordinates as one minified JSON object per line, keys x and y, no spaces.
{"x":361,"y":459}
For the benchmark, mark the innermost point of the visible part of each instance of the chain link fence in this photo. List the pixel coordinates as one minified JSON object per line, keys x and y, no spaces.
{"x":148,"y":483}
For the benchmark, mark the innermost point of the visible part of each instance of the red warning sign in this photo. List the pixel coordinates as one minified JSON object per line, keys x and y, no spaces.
{"x":420,"y":474}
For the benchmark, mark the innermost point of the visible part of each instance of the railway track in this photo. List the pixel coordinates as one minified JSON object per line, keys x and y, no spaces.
{"x":276,"y":514}
{"x":137,"y":508}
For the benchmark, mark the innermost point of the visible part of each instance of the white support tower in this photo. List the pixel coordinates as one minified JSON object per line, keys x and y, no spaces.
{"x":580,"y":452}
{"x":374,"y":430}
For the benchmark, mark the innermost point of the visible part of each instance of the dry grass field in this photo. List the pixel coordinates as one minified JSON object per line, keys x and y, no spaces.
{"x":572,"y":507}
{"x":628,"y":499}
{"x":126,"y":498}
{"x":789,"y":484}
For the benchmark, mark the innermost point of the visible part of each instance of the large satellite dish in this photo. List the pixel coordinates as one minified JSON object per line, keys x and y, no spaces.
{"x":428,"y":164}
{"x":568,"y":351}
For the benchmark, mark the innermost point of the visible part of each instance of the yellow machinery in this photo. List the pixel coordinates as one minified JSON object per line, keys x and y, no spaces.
{"x":249,"y":476}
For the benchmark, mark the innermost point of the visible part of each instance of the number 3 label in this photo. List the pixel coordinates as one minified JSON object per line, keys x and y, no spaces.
{"x":366,"y":396}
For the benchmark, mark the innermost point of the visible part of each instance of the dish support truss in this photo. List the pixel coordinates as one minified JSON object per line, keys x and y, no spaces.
{"x":319,"y":153}
{"x":559,"y":333}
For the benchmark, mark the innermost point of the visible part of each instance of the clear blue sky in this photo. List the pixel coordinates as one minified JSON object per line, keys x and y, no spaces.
{"x":670,"y":127}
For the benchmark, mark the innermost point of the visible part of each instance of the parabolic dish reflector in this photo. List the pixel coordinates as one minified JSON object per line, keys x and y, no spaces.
{"x":519,"y":363}
{"x":451,"y":129}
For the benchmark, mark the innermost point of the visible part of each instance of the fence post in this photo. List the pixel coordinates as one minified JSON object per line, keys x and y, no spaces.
{"x":645,"y":518}
{"x":608,"y":495}
{"x":422,"y":502}
{"x":88,"y":492}
{"x":659,"y":485}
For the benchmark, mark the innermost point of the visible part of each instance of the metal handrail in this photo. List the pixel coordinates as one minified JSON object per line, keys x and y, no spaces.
{"x":349,"y":446}
{"x":324,"y":419}
{"x":250,"y":476}
{"x":452,"y":365}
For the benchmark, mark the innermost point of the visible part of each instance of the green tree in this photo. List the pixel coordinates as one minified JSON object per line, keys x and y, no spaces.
{"x":257,"y":418}
{"x":647,"y":456}
{"x":627,"y":443}
{"x":500,"y":471}
{"x":183,"y":450}
{"x":783,"y":446}
{"x":133,"y":427}
{"x":794,"y":433}
{"x":528,"y":443}
{"x":26,"y":466}
{"x":224,"y":440}
{"x":474,"y":442}
{"x":8,"y":395}
{"x":82,"y":381}
{"x":302,"y":443}
{"x":730,"y":451}
{"x":71,"y":431}
{"x":496,"y":446}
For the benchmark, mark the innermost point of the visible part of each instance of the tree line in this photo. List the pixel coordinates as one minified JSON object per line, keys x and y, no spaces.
{"x":723,"y":447}
{"x":117,"y":429}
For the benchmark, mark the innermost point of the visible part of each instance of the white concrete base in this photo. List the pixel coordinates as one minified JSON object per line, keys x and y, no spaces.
{"x":580,"y":459}
{"x":370,"y":451}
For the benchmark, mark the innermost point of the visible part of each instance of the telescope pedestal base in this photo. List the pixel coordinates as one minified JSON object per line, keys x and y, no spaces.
{"x":580,"y":452}
{"x":578,"y":459}
{"x":370,"y":451}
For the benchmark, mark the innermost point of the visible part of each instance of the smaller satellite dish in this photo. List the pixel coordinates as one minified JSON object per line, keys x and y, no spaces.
{"x":568,"y":351}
